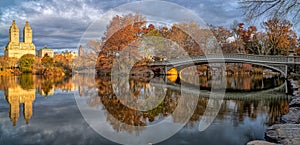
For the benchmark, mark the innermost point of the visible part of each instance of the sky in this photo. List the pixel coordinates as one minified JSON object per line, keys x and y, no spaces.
{"x":60,"y":24}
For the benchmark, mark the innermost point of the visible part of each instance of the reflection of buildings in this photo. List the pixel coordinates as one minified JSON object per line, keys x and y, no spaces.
{"x":21,"y":90}
{"x":16,"y":96}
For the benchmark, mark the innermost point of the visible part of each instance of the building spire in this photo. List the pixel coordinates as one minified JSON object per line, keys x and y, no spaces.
{"x":27,"y":24}
{"x":27,"y":33}
{"x":14,"y":32}
{"x":14,"y":25}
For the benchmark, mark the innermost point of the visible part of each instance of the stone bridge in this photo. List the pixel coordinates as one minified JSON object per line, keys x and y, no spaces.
{"x":277,"y":63}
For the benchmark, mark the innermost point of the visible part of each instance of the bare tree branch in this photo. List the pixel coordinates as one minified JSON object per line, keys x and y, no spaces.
{"x":287,"y":9}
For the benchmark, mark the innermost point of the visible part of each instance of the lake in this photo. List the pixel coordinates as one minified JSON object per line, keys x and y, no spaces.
{"x":84,"y":109}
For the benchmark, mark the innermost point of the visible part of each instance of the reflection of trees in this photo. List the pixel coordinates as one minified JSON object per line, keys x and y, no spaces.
{"x":119,"y":114}
{"x":47,"y":85}
{"x":234,"y":82}
{"x":8,"y":82}
{"x":274,"y":108}
{"x":26,"y":81}
{"x":200,"y":109}
{"x":124,"y":114}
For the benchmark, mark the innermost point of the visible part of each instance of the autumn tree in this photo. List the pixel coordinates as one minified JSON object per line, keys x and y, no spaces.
{"x":157,"y":43}
{"x":93,"y":46}
{"x":60,"y":60}
{"x":26,"y":63}
{"x":63,"y":61}
{"x":238,"y":43}
{"x":12,"y":61}
{"x":260,"y":44}
{"x":122,"y":31}
{"x":3,"y":63}
{"x":47,"y":62}
{"x":297,"y":50}
{"x":243,"y":38}
{"x":223,"y":36}
{"x":281,"y":36}
{"x":189,"y":36}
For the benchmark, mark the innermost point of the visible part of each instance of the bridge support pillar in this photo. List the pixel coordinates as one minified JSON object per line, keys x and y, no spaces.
{"x":286,"y":79}
{"x":286,"y":87}
{"x":166,"y":70}
{"x":286,"y":72}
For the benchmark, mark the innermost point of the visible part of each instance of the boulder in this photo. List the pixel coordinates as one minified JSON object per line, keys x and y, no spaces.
{"x":293,"y":116}
{"x":295,"y":102}
{"x":284,"y":134}
{"x":259,"y":142}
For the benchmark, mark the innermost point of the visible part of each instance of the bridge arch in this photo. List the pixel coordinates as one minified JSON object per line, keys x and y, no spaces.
{"x":273,"y":62}
{"x":281,"y":68}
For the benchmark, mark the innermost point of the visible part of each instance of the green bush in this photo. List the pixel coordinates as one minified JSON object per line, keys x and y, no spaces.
{"x":26,"y":63}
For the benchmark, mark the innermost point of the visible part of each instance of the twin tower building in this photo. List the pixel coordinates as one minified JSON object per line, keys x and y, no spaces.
{"x":15,"y":48}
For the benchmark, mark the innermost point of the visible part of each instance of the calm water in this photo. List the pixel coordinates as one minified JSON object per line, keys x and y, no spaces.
{"x":37,"y":110}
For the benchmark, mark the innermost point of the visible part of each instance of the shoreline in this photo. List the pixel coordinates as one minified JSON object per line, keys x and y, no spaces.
{"x":287,"y":132}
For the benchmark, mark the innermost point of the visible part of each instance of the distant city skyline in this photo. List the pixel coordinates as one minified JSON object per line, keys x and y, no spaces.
{"x":60,"y":24}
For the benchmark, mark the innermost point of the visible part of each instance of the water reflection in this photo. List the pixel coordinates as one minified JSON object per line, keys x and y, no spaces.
{"x":237,"y":113}
{"x":18,"y":95}
{"x":20,"y":92}
{"x":240,"y":83}
{"x":271,"y":105}
{"x":125,"y":114}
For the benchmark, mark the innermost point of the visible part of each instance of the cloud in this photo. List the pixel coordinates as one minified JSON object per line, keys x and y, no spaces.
{"x":61,"y":24}
{"x":55,"y":23}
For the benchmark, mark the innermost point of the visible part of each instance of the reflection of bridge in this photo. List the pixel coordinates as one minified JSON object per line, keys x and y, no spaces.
{"x":263,"y":94}
{"x":277,"y":63}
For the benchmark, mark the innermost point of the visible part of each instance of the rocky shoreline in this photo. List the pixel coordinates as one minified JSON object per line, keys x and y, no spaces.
{"x":288,"y":132}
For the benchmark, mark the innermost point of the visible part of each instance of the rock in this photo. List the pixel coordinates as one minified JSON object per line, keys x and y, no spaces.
{"x":295,"y":102}
{"x":284,"y":134}
{"x":293,"y":116}
{"x":260,"y":142}
{"x":296,"y":93}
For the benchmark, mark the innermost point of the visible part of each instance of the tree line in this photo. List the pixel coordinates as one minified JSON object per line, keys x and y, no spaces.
{"x":59,"y":65}
{"x":276,"y":37}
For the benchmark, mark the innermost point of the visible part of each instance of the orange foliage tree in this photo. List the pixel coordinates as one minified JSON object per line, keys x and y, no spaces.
{"x":223,"y":36}
{"x":121,"y":32}
{"x":281,"y":36}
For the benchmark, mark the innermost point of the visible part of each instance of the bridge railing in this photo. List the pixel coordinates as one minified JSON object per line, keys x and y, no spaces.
{"x":297,"y":59}
{"x":270,"y":58}
{"x":251,"y":57}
